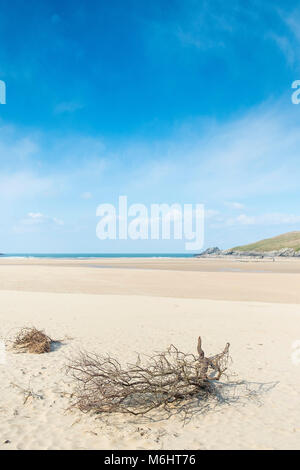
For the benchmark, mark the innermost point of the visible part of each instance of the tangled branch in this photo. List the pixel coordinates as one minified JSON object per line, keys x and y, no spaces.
{"x":33,"y":341}
{"x":102,"y":385}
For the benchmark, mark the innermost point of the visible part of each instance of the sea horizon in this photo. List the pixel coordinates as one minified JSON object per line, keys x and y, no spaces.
{"x":96,"y":255}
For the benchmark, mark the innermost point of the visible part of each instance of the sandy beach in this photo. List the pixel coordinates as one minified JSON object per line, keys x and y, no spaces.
{"x":125,"y":306}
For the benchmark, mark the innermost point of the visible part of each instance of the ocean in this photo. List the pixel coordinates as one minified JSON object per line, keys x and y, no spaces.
{"x":97,"y":255}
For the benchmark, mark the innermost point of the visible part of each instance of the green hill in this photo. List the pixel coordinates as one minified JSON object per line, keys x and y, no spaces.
{"x":287,"y":240}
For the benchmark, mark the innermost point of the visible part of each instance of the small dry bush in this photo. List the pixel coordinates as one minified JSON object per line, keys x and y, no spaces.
{"x":164,"y":379}
{"x":33,"y":341}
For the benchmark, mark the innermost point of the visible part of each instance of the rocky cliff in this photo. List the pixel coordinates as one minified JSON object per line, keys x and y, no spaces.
{"x":215,"y":252}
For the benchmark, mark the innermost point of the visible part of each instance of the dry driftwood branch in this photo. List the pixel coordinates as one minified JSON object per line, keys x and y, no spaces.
{"x":165,"y":379}
{"x":28,"y":393}
{"x":33,"y":341}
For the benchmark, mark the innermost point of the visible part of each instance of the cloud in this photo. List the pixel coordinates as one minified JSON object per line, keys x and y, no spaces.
{"x":211,"y":213}
{"x":24,"y":184}
{"x":264,"y":219}
{"x":36,"y":164}
{"x":36,"y":221}
{"x":292,"y":19}
{"x":38,"y":217}
{"x":234,"y":205}
{"x":285,"y":45}
{"x":67,"y":107}
{"x":35,"y":215}
{"x":253,"y":158}
{"x":86,"y":195}
{"x":287,"y":37}
{"x":16,"y":147}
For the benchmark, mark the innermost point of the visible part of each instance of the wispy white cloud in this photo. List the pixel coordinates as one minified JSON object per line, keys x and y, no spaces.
{"x":285,"y":45}
{"x":35,"y":215}
{"x":67,"y":107}
{"x":25,"y":184}
{"x":253,"y":158}
{"x":254,"y":155}
{"x":288,"y":38}
{"x":86,"y":195}
{"x":268,"y":219}
{"x":264,"y":219}
{"x":234,"y":205}
{"x":35,"y":222}
{"x":41,"y":165}
{"x":211,"y":213}
{"x":39,"y":218}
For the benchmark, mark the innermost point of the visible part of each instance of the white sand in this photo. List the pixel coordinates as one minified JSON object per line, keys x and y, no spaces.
{"x":261,"y":337}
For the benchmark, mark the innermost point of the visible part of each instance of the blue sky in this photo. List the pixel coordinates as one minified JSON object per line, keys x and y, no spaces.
{"x":162,"y":101}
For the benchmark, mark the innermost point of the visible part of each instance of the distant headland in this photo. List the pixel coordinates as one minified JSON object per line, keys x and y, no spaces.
{"x":286,"y":245}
